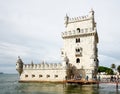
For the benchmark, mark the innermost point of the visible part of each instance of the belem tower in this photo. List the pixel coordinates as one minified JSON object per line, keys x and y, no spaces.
{"x":79,"y":54}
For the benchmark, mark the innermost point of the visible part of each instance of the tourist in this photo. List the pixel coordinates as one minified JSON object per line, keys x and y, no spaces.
{"x":114,"y":79}
{"x":117,"y":79}
{"x":99,"y":78}
{"x":111,"y":79}
{"x":86,"y":78}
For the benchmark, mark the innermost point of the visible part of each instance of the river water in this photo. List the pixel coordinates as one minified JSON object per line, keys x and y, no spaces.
{"x":9,"y":85}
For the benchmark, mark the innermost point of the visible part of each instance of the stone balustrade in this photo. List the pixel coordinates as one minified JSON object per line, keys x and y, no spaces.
{"x":43,"y":66}
{"x":76,"y":32}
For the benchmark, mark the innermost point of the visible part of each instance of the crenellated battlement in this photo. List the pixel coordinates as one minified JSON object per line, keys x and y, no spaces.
{"x":43,"y":66}
{"x":77,"y":19}
{"x":90,"y":16}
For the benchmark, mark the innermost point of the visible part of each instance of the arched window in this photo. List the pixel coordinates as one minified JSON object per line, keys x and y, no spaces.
{"x":77,"y":40}
{"x":77,"y":50}
{"x":77,"y":60}
{"x":78,"y":29}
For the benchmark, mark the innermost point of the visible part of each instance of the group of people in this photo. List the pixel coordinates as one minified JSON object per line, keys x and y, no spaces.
{"x":86,"y":78}
{"x":114,"y":78}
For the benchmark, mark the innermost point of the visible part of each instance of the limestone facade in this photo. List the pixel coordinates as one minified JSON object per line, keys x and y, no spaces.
{"x":80,"y":43}
{"x":79,"y":54}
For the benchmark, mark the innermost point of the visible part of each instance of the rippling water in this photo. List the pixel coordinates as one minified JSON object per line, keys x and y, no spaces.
{"x":9,"y":85}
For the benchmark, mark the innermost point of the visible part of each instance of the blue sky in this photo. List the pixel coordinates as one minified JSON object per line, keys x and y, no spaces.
{"x":32,"y":29}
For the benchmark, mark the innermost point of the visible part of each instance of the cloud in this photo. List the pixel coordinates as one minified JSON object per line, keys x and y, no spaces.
{"x":32,"y":29}
{"x":107,"y":61}
{"x":13,"y":49}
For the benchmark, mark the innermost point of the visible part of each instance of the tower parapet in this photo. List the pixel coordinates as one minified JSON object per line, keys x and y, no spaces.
{"x":69,"y":20}
{"x":77,"y":19}
{"x":43,"y":66}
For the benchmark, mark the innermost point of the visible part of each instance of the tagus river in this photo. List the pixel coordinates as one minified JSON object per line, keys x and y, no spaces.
{"x":9,"y":85}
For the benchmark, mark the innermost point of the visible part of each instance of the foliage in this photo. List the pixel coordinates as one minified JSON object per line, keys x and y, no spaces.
{"x":118,"y":69}
{"x":107,"y":70}
{"x":113,"y":66}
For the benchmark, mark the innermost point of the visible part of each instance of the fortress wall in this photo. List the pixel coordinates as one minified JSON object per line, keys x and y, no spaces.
{"x":43,"y":75}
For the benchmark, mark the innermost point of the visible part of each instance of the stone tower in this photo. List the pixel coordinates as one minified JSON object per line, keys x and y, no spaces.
{"x":80,"y":40}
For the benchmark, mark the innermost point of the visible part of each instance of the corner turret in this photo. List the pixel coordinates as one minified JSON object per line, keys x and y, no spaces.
{"x":91,"y":14}
{"x":19,"y":65}
{"x":65,"y":61}
{"x":66,"y":20}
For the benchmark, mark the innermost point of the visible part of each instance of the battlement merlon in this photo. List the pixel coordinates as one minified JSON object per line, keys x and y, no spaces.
{"x":69,"y":20}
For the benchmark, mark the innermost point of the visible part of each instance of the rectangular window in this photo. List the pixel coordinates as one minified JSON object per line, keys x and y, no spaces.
{"x":56,"y":76}
{"x":26,"y":76}
{"x":33,"y":76}
{"x":47,"y":76}
{"x":40,"y":76}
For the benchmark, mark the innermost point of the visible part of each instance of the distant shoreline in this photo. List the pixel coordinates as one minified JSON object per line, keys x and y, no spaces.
{"x":1,"y":73}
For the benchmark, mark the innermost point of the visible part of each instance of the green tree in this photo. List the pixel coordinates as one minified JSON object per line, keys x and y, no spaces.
{"x":118,"y":69}
{"x":107,"y":70}
{"x":113,"y":66}
{"x":102,"y":69}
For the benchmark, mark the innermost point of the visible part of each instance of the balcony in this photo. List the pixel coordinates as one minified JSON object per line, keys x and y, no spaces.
{"x":78,"y":54}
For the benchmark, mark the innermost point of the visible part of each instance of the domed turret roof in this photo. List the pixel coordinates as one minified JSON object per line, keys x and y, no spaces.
{"x":19,"y":60}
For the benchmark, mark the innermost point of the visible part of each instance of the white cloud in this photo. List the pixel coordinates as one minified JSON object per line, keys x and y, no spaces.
{"x":107,"y":61}
{"x":13,"y":49}
{"x":32,"y":29}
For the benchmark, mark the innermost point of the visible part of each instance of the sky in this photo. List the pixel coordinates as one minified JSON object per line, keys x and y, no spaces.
{"x":32,"y":30}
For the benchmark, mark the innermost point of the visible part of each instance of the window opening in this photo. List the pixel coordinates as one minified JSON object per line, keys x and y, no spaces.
{"x":77,"y":60}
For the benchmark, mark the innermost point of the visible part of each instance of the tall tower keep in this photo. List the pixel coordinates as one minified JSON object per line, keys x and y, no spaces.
{"x":80,"y":41}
